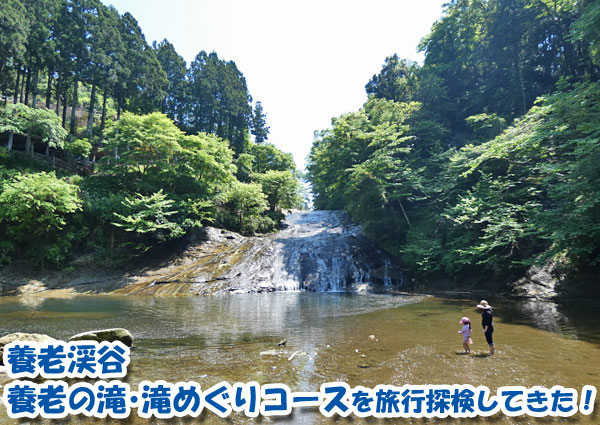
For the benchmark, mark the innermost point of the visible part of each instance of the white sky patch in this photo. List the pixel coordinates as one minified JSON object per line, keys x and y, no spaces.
{"x":306,"y":61}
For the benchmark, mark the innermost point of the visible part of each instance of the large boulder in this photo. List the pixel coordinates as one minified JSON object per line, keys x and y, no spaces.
{"x":538,"y":282}
{"x":20,"y":336}
{"x":110,"y":335}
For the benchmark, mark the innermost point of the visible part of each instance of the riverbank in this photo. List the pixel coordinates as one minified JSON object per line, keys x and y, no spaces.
{"x":316,"y":251}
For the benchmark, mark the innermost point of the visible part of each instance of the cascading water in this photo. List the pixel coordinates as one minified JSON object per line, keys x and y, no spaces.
{"x":319,"y":252}
{"x":316,"y":251}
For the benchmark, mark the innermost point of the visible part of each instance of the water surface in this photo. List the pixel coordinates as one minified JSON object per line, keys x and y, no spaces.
{"x":360,"y":339}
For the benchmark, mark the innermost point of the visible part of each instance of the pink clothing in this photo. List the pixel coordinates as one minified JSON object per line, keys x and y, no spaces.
{"x":466,"y":332}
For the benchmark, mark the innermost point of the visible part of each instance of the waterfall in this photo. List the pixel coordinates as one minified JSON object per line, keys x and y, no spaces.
{"x":320,"y":251}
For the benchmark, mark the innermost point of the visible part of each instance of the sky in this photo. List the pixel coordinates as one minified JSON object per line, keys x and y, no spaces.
{"x":305,"y":61}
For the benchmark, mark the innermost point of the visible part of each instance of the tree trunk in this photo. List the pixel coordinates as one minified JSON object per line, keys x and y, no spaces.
{"x":49,"y":91}
{"x":16,"y":95}
{"x":73,"y":124}
{"x":2,"y":86}
{"x":34,"y":89}
{"x":10,"y":141}
{"x":22,"y":87}
{"x":118,"y":107}
{"x":28,"y":86}
{"x":90,"y":123}
{"x":28,"y":146}
{"x":64,"y":114}
{"x":47,"y":153}
{"x":58,"y":88}
{"x":103,"y":119}
{"x":404,"y":212}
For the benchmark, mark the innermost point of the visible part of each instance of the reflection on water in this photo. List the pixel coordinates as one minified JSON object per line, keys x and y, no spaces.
{"x":360,"y":339}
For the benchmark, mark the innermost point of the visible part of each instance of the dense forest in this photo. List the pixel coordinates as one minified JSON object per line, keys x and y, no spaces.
{"x":485,"y":159}
{"x":114,"y":146}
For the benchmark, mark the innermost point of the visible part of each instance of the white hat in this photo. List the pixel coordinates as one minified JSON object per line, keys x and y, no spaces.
{"x":483,"y":304}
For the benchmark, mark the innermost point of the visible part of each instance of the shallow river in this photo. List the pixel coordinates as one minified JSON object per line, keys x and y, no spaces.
{"x":210,"y":339}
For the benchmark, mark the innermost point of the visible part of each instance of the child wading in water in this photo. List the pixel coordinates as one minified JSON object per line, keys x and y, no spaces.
{"x":466,"y":333}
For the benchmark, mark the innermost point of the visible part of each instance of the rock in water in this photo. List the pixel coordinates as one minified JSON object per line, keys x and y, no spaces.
{"x":110,"y":335}
{"x":19,"y":336}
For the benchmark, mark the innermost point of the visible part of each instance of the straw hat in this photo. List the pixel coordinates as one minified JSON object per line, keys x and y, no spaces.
{"x":483,"y":304}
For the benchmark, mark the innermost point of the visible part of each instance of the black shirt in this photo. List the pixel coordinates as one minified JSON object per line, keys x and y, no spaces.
{"x":486,"y":318}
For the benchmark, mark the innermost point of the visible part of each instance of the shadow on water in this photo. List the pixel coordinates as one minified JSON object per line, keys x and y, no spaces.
{"x":576,"y":320}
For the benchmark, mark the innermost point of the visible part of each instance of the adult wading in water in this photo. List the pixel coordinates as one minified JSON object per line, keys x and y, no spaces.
{"x":487,"y":323}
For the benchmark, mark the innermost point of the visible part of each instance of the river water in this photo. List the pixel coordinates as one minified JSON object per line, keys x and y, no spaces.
{"x":404,"y":339}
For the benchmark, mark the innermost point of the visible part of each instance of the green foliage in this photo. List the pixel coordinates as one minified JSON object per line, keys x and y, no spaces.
{"x":486,"y":126}
{"x":397,"y":81}
{"x":34,"y":210}
{"x":518,"y":196}
{"x":586,"y":29}
{"x":153,"y":153}
{"x":144,"y":145}
{"x":45,"y":125}
{"x":268,"y":157}
{"x":79,"y":147}
{"x":13,"y":118}
{"x":218,"y":100}
{"x":39,"y":123}
{"x":207,"y":162}
{"x":242,"y":208}
{"x":260,"y":129}
{"x":148,"y":217}
{"x":282,"y":189}
{"x":13,"y":30}
{"x":160,"y":174}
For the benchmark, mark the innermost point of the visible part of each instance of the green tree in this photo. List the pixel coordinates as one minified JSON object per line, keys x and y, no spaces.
{"x":142,"y":146}
{"x":242,"y":208}
{"x":34,"y":123}
{"x":282,"y":189}
{"x":204,"y":167}
{"x":106,"y":57}
{"x":34,"y":210}
{"x":13,"y":36}
{"x":397,"y":80}
{"x":260,"y":129}
{"x":45,"y":125}
{"x":148,"y":217}
{"x":141,"y":82}
{"x":174,"y":65}
{"x":586,"y":29}
{"x":267,"y":156}
{"x":218,"y":100}
{"x":13,"y":120}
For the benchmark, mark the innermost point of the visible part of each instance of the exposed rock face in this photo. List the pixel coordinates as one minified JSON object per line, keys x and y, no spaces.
{"x":19,"y":336}
{"x":538,"y":282}
{"x":110,"y":335}
{"x":317,"y":251}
